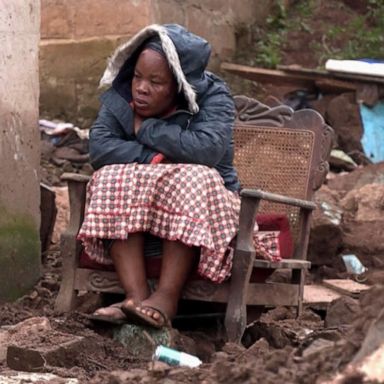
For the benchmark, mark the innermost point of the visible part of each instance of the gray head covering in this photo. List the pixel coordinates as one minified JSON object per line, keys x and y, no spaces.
{"x":154,"y":43}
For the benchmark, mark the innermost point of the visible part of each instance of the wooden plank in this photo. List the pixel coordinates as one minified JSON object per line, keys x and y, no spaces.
{"x":271,"y":294}
{"x":269,"y":75}
{"x":335,"y":86}
{"x":284,"y":264}
{"x":295,"y":69}
{"x":318,"y":296}
{"x":346,"y":286}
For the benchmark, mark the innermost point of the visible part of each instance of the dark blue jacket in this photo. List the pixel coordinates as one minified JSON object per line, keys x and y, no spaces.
{"x":204,"y":137}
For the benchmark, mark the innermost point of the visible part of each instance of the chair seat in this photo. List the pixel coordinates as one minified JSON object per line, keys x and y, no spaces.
{"x":267,"y":222}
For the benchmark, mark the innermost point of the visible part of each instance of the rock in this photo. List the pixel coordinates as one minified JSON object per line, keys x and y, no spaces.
{"x":32,"y":345}
{"x":370,"y":174}
{"x":325,"y":240}
{"x":142,"y":341}
{"x":318,"y":347}
{"x":363,"y":222}
{"x":273,"y":332}
{"x":341,"y":311}
{"x":365,"y":203}
{"x":343,"y":115}
{"x":30,"y":357}
{"x":374,"y":338}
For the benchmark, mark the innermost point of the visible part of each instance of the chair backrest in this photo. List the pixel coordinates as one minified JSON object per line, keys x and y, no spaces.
{"x":281,"y":151}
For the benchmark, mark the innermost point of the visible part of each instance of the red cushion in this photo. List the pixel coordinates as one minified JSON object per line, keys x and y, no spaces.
{"x":278,"y":222}
{"x":266,"y":222}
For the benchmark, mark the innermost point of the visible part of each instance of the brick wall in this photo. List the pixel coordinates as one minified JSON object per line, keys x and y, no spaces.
{"x":77,"y":36}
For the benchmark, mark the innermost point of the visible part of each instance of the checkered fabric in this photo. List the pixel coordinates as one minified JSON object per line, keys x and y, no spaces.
{"x":182,"y":202}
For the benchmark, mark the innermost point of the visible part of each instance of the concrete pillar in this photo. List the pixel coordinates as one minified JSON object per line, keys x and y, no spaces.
{"x":19,"y":147}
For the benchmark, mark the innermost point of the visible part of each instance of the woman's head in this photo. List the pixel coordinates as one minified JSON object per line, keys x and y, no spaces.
{"x":154,"y":88}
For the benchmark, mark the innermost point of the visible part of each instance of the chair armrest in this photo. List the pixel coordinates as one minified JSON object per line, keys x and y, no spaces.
{"x":258,"y":194}
{"x":76,"y":177}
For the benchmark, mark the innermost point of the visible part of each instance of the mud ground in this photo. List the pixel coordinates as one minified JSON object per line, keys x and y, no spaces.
{"x":279,"y":347}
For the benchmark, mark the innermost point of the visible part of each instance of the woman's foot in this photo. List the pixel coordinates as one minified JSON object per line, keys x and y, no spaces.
{"x":156,"y":311}
{"x":111,"y":314}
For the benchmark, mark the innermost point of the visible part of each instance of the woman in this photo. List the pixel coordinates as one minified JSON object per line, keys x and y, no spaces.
{"x":163,"y":150}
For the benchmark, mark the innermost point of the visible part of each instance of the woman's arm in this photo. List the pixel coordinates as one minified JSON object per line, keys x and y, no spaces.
{"x":108,"y":143}
{"x":203,"y":142}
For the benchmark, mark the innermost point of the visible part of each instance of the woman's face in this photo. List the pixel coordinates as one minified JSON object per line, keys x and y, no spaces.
{"x":153,"y":85}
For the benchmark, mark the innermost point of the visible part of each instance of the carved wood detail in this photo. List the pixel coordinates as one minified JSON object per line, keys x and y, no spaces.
{"x":101,"y":282}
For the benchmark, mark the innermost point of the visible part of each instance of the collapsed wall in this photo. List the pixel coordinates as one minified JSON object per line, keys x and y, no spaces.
{"x":19,"y":147}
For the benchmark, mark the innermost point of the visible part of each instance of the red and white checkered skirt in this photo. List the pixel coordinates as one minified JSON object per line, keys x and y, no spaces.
{"x":184,"y":202}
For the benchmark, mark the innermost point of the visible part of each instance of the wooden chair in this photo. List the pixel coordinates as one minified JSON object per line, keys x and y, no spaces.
{"x":281,"y":157}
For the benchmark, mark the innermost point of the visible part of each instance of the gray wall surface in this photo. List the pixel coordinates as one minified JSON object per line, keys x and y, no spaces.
{"x":19,"y":147}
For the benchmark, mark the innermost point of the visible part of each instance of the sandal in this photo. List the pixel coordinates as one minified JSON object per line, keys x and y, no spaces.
{"x":135,"y":316}
{"x":118,"y":320}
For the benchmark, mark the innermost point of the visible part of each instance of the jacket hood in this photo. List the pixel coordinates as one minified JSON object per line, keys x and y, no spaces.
{"x":187,"y":55}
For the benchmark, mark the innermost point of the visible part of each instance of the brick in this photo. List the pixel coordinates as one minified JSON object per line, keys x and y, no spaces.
{"x":75,"y":59}
{"x":110,"y":17}
{"x":57,"y":98}
{"x":63,"y":353}
{"x":56,"y":19}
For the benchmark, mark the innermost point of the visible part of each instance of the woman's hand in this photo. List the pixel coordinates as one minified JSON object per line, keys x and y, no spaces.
{"x":137,"y":123}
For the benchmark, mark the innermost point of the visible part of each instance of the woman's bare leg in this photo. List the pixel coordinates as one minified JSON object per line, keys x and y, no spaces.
{"x":128,"y":259}
{"x":177,"y":263}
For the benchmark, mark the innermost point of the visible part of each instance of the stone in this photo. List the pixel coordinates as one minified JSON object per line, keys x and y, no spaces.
{"x":318,"y":347}
{"x":343,"y":115}
{"x":365,"y":203}
{"x":29,"y":358}
{"x":370,"y":174}
{"x":363,"y":222}
{"x":33,"y":345}
{"x":325,"y":240}
{"x":141,"y":341}
{"x":341,"y":311}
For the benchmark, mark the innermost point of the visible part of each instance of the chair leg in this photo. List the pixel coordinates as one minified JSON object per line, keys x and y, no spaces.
{"x":66,"y":298}
{"x":298,"y":277}
{"x":236,"y":313}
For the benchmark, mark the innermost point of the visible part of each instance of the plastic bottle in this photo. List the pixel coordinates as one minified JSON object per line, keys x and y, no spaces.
{"x":173,"y":357}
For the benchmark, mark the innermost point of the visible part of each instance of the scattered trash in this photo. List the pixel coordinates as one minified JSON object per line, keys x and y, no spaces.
{"x":355,"y":267}
{"x":340,"y":159}
{"x":51,"y":128}
{"x":372,"y":140}
{"x":362,"y":67}
{"x":173,"y":357}
{"x":332,"y":213}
